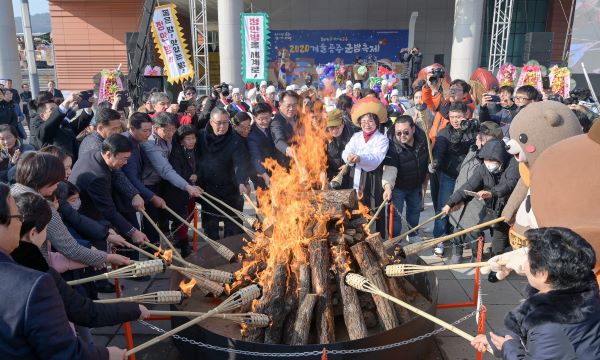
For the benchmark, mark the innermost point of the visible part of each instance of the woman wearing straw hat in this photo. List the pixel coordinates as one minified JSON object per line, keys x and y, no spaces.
{"x":365,"y":153}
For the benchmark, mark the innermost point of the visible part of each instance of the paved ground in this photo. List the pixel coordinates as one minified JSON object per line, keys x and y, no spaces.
{"x":454,"y":286}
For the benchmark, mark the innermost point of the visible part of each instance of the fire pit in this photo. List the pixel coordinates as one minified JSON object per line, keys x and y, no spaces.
{"x":218,"y":332}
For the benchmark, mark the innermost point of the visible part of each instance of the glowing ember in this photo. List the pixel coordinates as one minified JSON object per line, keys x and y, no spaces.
{"x":159,"y":252}
{"x":186,"y":288}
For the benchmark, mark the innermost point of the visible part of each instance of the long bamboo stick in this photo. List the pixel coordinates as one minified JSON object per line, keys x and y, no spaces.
{"x":162,"y":235}
{"x":219,"y":248}
{"x":361,"y":283}
{"x":249,"y":319}
{"x":241,"y":226}
{"x":158,"y":297}
{"x":376,"y":215}
{"x":238,"y":299}
{"x":390,"y":243}
{"x":259,"y":216}
{"x":140,"y":250}
{"x":394,"y":270}
{"x":138,"y":269}
{"x":248,"y":219}
{"x":415,"y":248}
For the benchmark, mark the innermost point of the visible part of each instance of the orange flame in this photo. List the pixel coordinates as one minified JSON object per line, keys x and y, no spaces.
{"x":186,"y":288}
{"x":159,"y":252}
{"x":168,"y":255}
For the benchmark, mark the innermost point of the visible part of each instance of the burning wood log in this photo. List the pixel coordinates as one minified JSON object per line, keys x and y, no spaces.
{"x":376,"y":246}
{"x":270,"y":301}
{"x":369,"y":267}
{"x":302,"y":324}
{"x":335,"y":202}
{"x":318,"y":251}
{"x":276,"y":307}
{"x":353,"y":316}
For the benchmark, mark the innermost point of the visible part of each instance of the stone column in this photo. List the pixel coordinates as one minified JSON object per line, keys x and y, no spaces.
{"x":466,"y":44}
{"x":9,"y":56}
{"x":230,"y":43}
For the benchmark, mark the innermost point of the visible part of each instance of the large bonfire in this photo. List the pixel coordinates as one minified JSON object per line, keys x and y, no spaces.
{"x":306,"y":237}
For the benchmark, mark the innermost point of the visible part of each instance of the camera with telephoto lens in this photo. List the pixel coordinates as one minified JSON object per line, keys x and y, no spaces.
{"x":470,"y":125}
{"x":437,"y":73}
{"x":224,"y":89}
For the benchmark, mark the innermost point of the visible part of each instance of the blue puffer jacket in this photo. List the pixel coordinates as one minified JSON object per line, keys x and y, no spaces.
{"x":559,"y":325}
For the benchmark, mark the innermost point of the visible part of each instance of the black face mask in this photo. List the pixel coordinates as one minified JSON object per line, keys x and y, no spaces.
{"x":421,"y":107}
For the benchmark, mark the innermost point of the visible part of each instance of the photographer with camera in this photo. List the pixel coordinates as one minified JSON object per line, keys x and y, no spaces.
{"x":452,"y":145}
{"x":223,"y":95}
{"x":433,"y":97}
{"x":414,"y":65}
{"x":493,"y":181}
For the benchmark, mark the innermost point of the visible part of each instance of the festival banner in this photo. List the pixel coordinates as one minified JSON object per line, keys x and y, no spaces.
{"x":255,"y":46}
{"x":169,"y":40}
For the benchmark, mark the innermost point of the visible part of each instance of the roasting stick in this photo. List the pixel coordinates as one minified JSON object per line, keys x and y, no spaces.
{"x":394,"y":270}
{"x":141,"y":251}
{"x":336,"y":181}
{"x":249,"y":319}
{"x":156,"y":298}
{"x":135,"y":270}
{"x":361,"y":283}
{"x":259,"y":216}
{"x":239,"y":298}
{"x":162,"y":235}
{"x":376,"y":215}
{"x":219,"y":248}
{"x":389,"y":243}
{"x":248,"y":219}
{"x":415,"y":248}
{"x":245,"y":229}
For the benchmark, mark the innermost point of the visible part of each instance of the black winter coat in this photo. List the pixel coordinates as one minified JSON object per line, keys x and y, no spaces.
{"x":59,"y":132}
{"x":80,"y":309}
{"x":282,"y":132}
{"x":204,"y":115}
{"x":335,"y":147}
{"x":33,"y":323}
{"x":450,"y":149}
{"x":185,"y":163}
{"x":411,"y":162}
{"x":560,"y":324}
{"x":8,"y":115}
{"x":500,"y":185}
{"x":222,"y":162}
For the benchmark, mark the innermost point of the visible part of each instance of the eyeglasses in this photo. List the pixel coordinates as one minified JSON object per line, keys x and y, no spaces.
{"x":521,"y":98}
{"x":289,"y":106}
{"x":400,"y":133}
{"x":243,"y":127}
{"x":20,"y":217}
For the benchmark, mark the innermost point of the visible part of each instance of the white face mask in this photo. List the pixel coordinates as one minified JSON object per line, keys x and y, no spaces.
{"x":75,"y":204}
{"x":492,"y":167}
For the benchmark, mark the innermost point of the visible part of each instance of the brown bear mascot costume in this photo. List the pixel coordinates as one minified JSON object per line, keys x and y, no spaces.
{"x":535,"y":128}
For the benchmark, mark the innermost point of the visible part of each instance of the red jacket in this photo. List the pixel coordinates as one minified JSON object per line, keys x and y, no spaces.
{"x":434,"y":103}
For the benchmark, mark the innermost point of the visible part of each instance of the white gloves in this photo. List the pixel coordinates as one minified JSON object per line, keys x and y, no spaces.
{"x":503,"y":264}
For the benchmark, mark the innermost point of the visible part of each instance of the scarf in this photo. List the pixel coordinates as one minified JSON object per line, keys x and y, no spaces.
{"x":368,"y":136}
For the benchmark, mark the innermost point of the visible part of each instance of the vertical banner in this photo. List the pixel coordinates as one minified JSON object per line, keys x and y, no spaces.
{"x":169,"y":40}
{"x":255,"y":50}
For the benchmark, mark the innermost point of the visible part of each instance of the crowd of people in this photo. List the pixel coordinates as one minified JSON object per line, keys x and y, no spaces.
{"x":79,"y":179}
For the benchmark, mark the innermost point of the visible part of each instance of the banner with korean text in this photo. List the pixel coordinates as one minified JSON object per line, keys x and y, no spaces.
{"x":255,"y":46}
{"x":169,"y":40}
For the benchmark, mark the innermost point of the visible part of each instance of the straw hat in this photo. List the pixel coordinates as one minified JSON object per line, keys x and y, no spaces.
{"x":368,"y":105}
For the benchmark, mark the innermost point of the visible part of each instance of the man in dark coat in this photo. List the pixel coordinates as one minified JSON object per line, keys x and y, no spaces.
{"x":236,"y":105}
{"x":284,"y":125}
{"x":50,"y":127}
{"x":260,"y":144}
{"x":53,"y":91}
{"x":560,"y":319}
{"x":7,"y":111}
{"x":341,"y":134}
{"x":33,"y":323}
{"x":494,"y":181}
{"x":93,"y":175}
{"x":404,"y":171}
{"x":221,"y":164}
